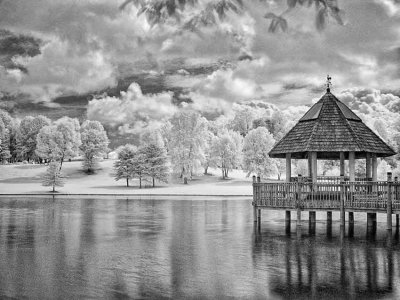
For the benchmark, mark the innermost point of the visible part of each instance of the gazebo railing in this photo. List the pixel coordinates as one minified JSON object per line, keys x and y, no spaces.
{"x":307,"y":195}
{"x":331,"y":179}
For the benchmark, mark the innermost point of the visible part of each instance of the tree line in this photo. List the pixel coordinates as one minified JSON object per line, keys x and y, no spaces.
{"x":38,"y":139}
{"x":188,"y":143}
{"x":184,"y":145}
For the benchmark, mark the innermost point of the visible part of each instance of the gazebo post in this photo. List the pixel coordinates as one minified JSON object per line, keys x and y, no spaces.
{"x":341,"y":163}
{"x":309,"y":159}
{"x":374,"y":166}
{"x":352,"y":166}
{"x":352,"y":175}
{"x":314,"y":166}
{"x":368,"y":166}
{"x":288,"y":166}
{"x":311,"y":213}
{"x":288,"y":176}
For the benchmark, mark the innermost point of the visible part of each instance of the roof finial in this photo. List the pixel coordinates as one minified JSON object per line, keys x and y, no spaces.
{"x":328,"y":83}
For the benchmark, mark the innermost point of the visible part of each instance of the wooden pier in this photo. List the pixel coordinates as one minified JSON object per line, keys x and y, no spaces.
{"x":328,"y":195}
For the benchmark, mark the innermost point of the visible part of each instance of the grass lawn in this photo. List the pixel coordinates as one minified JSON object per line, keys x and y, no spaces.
{"x":25,"y":179}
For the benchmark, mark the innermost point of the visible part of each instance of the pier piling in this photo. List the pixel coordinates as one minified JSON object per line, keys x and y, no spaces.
{"x":389,"y":201}
{"x":371,"y":222}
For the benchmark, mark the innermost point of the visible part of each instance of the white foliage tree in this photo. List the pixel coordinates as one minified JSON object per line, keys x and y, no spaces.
{"x":6,"y":123}
{"x":301,"y":167}
{"x":53,"y":176}
{"x":186,"y":140}
{"x":68,"y":137}
{"x":155,"y":163}
{"x":46,"y":145}
{"x":28,"y":130}
{"x":243,"y":119}
{"x":208,"y":159}
{"x":123,"y":167}
{"x":256,"y":146}
{"x":94,"y":143}
{"x":59,"y":141}
{"x":227,"y":151}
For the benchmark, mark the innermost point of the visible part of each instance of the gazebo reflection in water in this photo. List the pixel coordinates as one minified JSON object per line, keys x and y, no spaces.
{"x":318,"y":267}
{"x":330,"y":131}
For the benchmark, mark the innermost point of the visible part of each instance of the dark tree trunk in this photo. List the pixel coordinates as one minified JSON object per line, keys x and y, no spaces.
{"x":205,"y":170}
{"x":140,"y":182}
{"x":61,"y":162}
{"x":185,"y":181}
{"x":127,"y":181}
{"x":54,"y":188}
{"x":153,"y":183}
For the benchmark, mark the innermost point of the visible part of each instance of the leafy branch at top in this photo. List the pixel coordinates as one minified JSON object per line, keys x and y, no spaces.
{"x":184,"y":12}
{"x":324,"y":8}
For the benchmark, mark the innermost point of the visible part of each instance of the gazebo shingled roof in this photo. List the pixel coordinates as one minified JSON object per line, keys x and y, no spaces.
{"x":328,"y":128}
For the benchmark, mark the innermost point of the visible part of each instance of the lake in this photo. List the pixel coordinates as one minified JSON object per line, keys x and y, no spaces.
{"x":179,"y":249}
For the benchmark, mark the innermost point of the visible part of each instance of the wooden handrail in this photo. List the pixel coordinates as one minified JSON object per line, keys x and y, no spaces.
{"x":332,"y":179}
{"x":322,"y":195}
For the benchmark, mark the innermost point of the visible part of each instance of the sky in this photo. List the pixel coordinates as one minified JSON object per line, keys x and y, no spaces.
{"x":88,"y":58}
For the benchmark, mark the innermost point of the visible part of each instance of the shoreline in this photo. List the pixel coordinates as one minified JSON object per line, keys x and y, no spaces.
{"x":175,"y":197}
{"x":124,"y":195}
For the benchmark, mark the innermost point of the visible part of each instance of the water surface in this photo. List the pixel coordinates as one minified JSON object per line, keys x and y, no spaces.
{"x":176,"y":249}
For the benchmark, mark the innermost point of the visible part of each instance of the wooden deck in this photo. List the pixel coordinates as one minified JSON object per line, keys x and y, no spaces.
{"x":350,"y":196}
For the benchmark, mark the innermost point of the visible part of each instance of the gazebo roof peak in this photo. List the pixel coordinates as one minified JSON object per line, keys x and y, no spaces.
{"x":328,"y":128}
{"x":335,"y":106}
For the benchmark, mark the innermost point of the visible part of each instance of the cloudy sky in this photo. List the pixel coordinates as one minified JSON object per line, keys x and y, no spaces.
{"x":55,"y":55}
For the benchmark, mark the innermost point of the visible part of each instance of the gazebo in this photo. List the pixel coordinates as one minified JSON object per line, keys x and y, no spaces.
{"x":330,"y":131}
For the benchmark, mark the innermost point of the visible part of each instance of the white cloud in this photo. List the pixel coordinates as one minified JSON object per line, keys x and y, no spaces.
{"x":62,"y":69}
{"x":132,"y":111}
{"x":391,"y":7}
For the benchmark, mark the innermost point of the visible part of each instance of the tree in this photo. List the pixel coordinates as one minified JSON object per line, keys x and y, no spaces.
{"x":382,"y":169}
{"x":68,"y":137}
{"x":139,"y":166}
{"x":301,"y":167}
{"x":227,"y":149}
{"x":5,"y":128}
{"x":156,"y":163}
{"x":151,"y":136}
{"x":123,"y":167}
{"x":13,"y":146}
{"x":278,"y":125}
{"x":4,"y":142}
{"x":94,"y":143}
{"x":46,"y":144}
{"x":243,"y":120}
{"x":280,"y":165}
{"x":59,"y":141}
{"x":53,"y":176}
{"x":208,"y":159}
{"x":186,"y":142}
{"x":28,"y":131}
{"x":360,"y":168}
{"x":381,"y":129}
{"x":257,"y":145}
{"x":329,"y":166}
